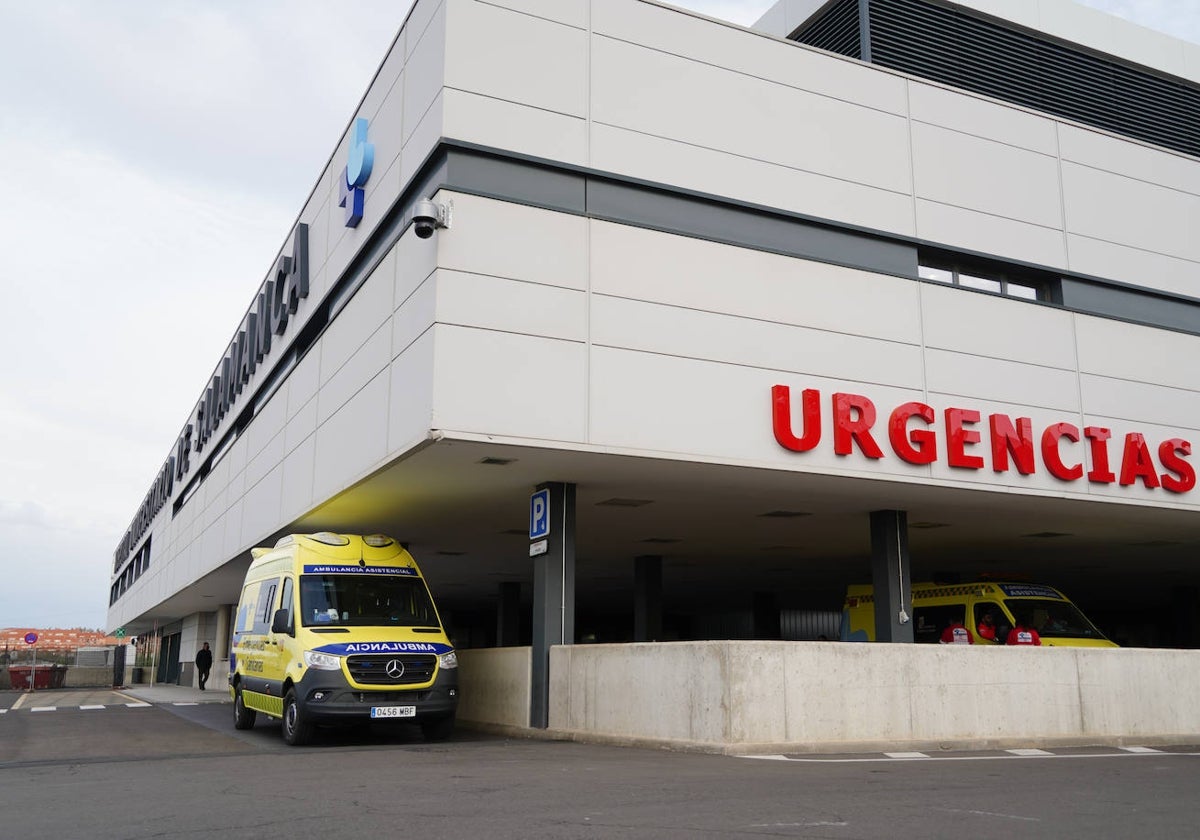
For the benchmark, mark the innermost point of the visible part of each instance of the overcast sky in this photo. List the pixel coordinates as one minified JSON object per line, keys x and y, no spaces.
{"x":153,"y":157}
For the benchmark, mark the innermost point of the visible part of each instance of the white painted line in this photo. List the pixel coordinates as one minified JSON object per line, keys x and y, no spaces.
{"x":906,"y":755}
{"x":995,"y":757}
{"x":185,"y":704}
{"x":1029,"y":752}
{"x":3,"y":711}
{"x":767,"y":757}
{"x":1140,"y":750}
{"x":44,"y":709}
{"x":138,"y":705}
{"x":89,"y":708}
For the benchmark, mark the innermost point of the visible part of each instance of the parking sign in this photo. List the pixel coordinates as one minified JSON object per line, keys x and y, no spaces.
{"x":539,"y":515}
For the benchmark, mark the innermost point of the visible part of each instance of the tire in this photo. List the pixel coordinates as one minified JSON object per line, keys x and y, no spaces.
{"x":439,"y":728}
{"x":243,"y":718}
{"x":296,"y":730}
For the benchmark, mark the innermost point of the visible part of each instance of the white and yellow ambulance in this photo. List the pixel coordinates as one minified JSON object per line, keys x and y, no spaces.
{"x":989,"y":609}
{"x":337,"y":628}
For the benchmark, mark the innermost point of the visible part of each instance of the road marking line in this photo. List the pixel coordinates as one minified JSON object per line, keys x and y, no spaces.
{"x":1029,"y":752}
{"x":906,"y":755}
{"x":999,"y":757}
{"x":1140,"y":750}
{"x":20,"y":701}
{"x":3,"y":711}
{"x":44,"y":709}
{"x":86,"y":708}
{"x":138,"y":705}
{"x":185,"y":704}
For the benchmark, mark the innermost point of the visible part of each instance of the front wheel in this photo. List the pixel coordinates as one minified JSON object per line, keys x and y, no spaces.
{"x":243,"y":718}
{"x":296,"y":730}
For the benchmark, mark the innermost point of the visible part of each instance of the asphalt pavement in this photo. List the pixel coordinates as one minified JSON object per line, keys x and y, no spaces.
{"x":165,"y":765}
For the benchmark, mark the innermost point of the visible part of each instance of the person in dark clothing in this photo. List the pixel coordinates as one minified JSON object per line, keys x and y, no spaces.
{"x":204,"y":664}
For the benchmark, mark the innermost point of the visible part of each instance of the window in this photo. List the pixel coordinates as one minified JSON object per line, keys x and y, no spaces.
{"x":365,"y":600}
{"x":999,"y":281}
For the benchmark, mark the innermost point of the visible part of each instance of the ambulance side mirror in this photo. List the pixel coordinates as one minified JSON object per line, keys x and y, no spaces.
{"x":282,"y":622}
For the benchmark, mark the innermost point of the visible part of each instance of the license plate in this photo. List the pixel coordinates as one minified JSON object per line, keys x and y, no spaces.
{"x":393,"y":711}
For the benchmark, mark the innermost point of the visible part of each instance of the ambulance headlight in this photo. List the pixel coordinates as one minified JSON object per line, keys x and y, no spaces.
{"x":322,"y":661}
{"x":448,"y":660}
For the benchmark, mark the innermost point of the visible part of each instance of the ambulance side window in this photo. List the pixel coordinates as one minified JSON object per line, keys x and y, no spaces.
{"x":266,"y":601}
{"x":929,"y":622}
{"x":285,"y":600}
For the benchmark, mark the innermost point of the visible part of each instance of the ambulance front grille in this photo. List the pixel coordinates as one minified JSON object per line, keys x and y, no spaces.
{"x":392,"y":668}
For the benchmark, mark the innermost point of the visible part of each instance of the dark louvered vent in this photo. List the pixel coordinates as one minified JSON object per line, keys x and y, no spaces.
{"x":836,"y":30}
{"x":958,"y":49}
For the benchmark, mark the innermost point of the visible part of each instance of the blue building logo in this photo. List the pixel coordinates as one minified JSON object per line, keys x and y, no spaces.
{"x":356,"y":172}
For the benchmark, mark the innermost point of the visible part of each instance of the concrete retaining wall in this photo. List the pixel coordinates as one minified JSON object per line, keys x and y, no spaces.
{"x":494,"y":686}
{"x":803,"y":696}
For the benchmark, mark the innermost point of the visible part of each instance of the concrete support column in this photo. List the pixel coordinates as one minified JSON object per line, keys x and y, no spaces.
{"x":508,"y":615}
{"x":221,"y":642}
{"x":553,"y":596}
{"x":1185,"y":612}
{"x":891,"y":575}
{"x":647,"y":598}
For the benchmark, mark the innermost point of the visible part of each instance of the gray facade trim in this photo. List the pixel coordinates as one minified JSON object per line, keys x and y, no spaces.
{"x":500,"y":175}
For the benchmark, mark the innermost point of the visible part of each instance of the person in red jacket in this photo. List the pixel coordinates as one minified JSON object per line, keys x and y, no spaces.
{"x":1023,"y":634}
{"x":957,"y":634}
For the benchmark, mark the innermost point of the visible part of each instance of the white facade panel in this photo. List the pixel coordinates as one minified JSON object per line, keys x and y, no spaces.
{"x":260,"y":508}
{"x":986,"y":325}
{"x":667,"y":96}
{"x":415,"y":317}
{"x":515,"y":126}
{"x":571,"y":12}
{"x":989,"y":234}
{"x":363,"y":367}
{"x":300,"y":426}
{"x":706,"y":336}
{"x":549,"y":70}
{"x":302,"y":383}
{"x":410,"y":397}
{"x":354,"y":440}
{"x":359,"y":319}
{"x":718,"y":412}
{"x":1015,"y":383}
{"x":510,"y":306}
{"x":1139,"y":354}
{"x":981,"y":118}
{"x":663,"y":160}
{"x":1097,"y":150}
{"x":514,"y":241}
{"x":493,"y":383}
{"x":1110,"y":207}
{"x":745,"y":52}
{"x":1140,"y":268}
{"x":423,"y":140}
{"x":989,"y":177}
{"x":425,"y":69}
{"x":1141,"y":402}
{"x":297,"y":482}
{"x":680,"y":271}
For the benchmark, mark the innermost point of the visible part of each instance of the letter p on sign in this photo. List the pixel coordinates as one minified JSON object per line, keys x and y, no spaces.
{"x":539,"y":515}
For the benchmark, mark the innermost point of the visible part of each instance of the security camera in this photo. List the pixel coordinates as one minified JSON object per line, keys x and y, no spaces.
{"x":427,"y":217}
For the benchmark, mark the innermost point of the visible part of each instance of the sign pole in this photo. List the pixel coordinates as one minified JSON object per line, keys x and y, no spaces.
{"x":31,"y":640}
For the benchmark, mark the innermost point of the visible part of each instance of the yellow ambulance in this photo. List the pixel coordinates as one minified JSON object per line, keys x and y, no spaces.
{"x":335,"y":628}
{"x":988,"y":609}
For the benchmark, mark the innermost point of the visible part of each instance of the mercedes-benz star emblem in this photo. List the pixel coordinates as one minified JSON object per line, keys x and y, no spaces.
{"x":395,"y":669}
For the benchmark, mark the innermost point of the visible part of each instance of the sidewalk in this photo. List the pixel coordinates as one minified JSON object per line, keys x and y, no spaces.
{"x":169,"y":693}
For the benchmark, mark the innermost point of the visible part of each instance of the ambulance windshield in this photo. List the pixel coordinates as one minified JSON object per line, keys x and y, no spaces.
{"x":357,"y":600}
{"x":1052,"y":619}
